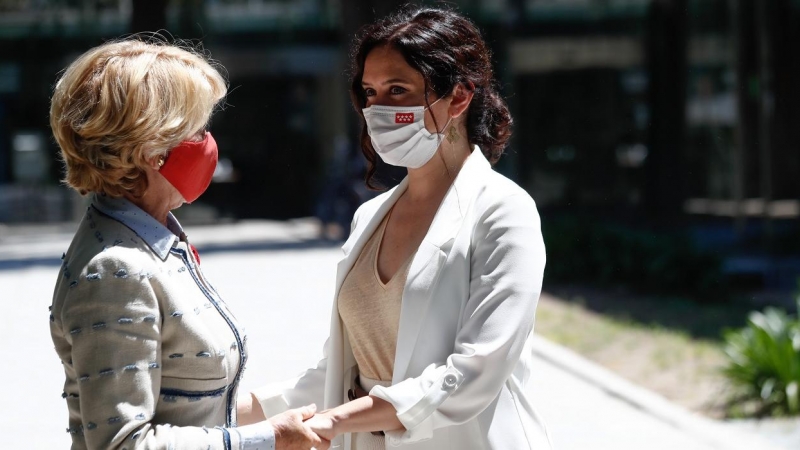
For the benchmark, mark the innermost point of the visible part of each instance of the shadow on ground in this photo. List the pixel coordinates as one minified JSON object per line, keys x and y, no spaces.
{"x":22,"y":263}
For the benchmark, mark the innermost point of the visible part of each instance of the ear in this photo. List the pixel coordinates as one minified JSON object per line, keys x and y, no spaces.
{"x":155,"y":162}
{"x":462,"y":97}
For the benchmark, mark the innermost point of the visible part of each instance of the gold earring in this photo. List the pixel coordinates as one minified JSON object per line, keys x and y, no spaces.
{"x":452,"y":134}
{"x":160,"y":162}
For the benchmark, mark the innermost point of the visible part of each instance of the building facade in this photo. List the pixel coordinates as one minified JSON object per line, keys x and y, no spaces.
{"x":659,"y":108}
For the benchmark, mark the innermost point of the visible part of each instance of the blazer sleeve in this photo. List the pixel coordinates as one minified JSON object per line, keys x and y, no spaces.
{"x":112,"y":321}
{"x":506,"y":270}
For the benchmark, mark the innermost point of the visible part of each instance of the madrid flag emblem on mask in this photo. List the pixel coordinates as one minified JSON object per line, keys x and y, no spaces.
{"x":403,"y":117}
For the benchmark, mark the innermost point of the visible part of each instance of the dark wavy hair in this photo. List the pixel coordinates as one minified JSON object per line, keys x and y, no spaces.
{"x":447,"y":49}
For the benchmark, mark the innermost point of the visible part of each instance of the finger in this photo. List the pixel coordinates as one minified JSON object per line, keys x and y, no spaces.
{"x":312,"y":436}
{"x":308,"y":411}
{"x":315,"y":440}
{"x":321,"y":444}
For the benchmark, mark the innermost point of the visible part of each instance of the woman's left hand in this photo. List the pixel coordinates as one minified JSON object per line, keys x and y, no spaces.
{"x":323,"y":425}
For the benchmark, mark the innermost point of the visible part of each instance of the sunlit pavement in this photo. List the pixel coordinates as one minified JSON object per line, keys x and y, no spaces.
{"x":278,"y":280}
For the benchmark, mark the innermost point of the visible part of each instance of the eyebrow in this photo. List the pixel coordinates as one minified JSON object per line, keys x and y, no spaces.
{"x":393,"y":80}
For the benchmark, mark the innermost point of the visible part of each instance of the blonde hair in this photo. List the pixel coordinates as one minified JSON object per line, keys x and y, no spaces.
{"x":122,"y":103}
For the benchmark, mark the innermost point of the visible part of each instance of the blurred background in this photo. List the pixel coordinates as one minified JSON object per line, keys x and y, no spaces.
{"x":659,"y":138}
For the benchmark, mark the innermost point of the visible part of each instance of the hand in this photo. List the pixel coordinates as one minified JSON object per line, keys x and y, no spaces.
{"x":292,"y":434}
{"x":323,"y":425}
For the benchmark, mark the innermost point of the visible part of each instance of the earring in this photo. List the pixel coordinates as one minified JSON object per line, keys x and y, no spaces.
{"x":160,"y":161}
{"x":452,"y":134}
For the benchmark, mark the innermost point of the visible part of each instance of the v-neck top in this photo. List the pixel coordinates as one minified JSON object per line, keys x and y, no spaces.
{"x":370,"y":310}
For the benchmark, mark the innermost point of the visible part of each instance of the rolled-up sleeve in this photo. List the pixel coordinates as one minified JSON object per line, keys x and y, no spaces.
{"x":506,"y":269}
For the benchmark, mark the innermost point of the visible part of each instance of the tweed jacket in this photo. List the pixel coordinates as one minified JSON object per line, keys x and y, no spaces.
{"x":463,"y":364}
{"x":151,"y":353}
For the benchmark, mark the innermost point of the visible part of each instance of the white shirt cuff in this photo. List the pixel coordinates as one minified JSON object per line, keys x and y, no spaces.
{"x":256,"y":437}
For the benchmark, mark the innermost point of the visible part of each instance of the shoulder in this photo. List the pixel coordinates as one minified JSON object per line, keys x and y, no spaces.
{"x":103,"y":249}
{"x":496,"y":194}
{"x":117,"y":270}
{"x":102,"y":243}
{"x":125,"y":258}
{"x":505,"y":225}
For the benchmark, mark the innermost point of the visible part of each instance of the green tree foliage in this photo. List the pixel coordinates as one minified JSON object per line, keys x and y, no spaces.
{"x":585,"y":251}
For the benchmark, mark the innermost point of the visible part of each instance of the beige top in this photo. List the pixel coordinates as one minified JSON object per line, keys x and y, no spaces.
{"x":370,"y":310}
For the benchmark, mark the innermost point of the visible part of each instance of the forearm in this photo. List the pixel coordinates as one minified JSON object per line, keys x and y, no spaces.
{"x":248,"y":410}
{"x":367,"y":413}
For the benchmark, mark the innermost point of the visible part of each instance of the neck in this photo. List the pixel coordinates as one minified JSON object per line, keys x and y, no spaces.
{"x":434,"y":178}
{"x":151,"y":205}
{"x":159,"y":198}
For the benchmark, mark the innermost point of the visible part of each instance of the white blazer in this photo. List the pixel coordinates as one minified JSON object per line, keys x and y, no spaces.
{"x":464,"y":357}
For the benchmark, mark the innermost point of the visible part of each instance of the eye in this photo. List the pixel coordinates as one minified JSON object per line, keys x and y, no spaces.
{"x":397,"y":90}
{"x":369,"y":92}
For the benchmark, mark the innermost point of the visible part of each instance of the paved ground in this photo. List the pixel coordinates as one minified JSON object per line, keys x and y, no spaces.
{"x":279,"y":280}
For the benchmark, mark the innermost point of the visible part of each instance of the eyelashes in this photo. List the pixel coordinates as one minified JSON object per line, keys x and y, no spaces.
{"x":394,"y":90}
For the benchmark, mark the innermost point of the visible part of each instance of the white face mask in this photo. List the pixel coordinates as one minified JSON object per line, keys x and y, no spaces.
{"x":399,"y":136}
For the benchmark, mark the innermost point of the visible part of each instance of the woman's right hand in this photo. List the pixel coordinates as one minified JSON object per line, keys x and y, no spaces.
{"x":292,"y":433}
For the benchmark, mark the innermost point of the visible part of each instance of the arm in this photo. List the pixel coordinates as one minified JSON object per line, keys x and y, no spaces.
{"x":506,"y":269}
{"x":289,"y":426}
{"x":248,"y":411}
{"x":288,"y":432}
{"x":363,"y":414}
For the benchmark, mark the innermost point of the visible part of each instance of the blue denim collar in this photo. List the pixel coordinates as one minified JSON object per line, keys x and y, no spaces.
{"x":158,"y":237}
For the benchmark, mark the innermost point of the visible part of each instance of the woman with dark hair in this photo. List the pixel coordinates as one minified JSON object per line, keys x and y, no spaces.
{"x":435,"y":298}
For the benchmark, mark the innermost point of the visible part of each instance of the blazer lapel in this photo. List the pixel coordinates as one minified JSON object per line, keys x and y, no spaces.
{"x":422,"y":276}
{"x":430,"y":258}
{"x":363,"y":231}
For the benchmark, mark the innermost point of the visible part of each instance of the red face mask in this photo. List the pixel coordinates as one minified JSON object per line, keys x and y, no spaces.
{"x":190,"y":166}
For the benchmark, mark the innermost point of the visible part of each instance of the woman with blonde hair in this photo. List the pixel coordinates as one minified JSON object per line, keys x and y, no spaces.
{"x":152,"y":355}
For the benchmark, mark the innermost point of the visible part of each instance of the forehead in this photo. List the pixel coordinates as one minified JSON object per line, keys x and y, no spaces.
{"x":385,"y":63}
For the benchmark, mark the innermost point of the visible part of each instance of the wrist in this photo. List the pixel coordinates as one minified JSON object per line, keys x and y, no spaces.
{"x":256,"y":436}
{"x":337,"y":420}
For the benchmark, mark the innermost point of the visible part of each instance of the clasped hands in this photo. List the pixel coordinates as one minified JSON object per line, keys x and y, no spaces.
{"x":303,"y":429}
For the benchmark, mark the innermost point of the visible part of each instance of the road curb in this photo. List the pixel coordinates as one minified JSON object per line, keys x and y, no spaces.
{"x":718,"y":435}
{"x":44,"y":244}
